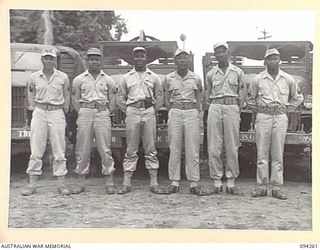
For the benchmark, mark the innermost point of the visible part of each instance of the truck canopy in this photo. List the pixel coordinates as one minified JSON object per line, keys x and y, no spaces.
{"x":114,"y":52}
{"x":289,"y":51}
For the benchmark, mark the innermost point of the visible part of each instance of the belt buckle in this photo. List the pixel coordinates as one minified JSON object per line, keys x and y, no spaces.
{"x":225,"y":100}
{"x":142,"y":104}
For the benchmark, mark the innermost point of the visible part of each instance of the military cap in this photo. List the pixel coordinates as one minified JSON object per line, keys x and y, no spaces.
{"x":48,"y":52}
{"x":94,"y":51}
{"x":180,"y":51}
{"x":138,"y":49}
{"x":271,"y":52}
{"x":218,"y":44}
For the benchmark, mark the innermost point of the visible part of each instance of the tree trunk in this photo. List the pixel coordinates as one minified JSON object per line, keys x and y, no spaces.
{"x":48,"y":33}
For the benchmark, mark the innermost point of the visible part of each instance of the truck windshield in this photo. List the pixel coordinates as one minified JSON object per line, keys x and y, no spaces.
{"x":25,"y":60}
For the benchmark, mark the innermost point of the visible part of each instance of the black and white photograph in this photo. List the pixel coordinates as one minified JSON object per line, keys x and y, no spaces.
{"x":158,"y":119}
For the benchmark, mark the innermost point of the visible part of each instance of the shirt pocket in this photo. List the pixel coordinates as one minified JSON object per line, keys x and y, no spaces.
{"x":284,"y":91}
{"x":263,"y":91}
{"x":103,"y":88}
{"x":85,"y":88}
{"x":149,"y":83}
{"x":55,"y":90}
{"x":131,"y":84}
{"x":216,"y":86}
{"x":233,"y":80}
{"x":191,"y":84}
{"x":174,"y":88}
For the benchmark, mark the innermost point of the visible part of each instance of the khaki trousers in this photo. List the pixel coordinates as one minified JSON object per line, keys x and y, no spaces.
{"x":44,"y":125}
{"x":184,"y":131}
{"x":270,"y":137}
{"x":140,"y":123}
{"x":223,"y":130}
{"x":93,"y":124}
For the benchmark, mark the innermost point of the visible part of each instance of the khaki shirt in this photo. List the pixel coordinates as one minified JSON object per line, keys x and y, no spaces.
{"x":136,"y":87}
{"x":220,"y":84}
{"x":54,"y":91}
{"x":86,"y":89}
{"x":178,"y":89}
{"x":265,"y":90}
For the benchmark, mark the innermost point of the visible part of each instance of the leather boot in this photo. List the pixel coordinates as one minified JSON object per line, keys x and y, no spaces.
{"x":109,"y":184}
{"x":32,"y":186}
{"x":62,"y":189}
{"x":79,"y":188}
{"x":126,"y":186}
{"x":153,"y":173}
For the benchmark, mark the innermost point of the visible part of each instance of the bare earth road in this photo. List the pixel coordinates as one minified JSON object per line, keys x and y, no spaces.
{"x":142,"y":209}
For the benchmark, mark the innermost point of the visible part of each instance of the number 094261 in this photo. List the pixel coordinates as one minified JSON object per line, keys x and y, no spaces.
{"x":308,"y":246}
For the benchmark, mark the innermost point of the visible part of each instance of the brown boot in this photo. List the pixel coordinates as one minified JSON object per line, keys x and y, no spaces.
{"x":62,"y":189}
{"x":153,"y":173}
{"x":126,"y":186}
{"x":109,"y":184}
{"x":32,"y":187}
{"x":79,"y":188}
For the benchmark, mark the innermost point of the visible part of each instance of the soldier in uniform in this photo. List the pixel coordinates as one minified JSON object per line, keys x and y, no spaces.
{"x":183,"y":97}
{"x":226,"y":94}
{"x":93,"y":98}
{"x":272,"y":93}
{"x":49,"y":99}
{"x":140,"y":93}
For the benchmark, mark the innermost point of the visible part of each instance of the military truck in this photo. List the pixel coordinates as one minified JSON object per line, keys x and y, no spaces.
{"x":26,"y":59}
{"x":296,"y":59}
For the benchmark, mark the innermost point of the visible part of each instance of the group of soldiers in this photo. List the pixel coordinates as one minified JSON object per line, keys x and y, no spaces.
{"x":141,"y":94}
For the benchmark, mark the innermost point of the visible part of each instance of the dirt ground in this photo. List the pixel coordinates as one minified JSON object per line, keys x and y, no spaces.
{"x":143,"y":209}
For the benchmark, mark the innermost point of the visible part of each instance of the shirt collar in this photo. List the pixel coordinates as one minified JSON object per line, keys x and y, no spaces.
{"x":55,"y":72}
{"x":87,"y":72}
{"x":230,"y":67}
{"x":133,"y":71}
{"x":265,"y":74}
{"x":188,"y":75}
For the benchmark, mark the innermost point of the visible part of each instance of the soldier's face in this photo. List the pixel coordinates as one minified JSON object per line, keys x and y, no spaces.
{"x":94,"y":62}
{"x":48,"y":62}
{"x":272,"y":61}
{"x":221,"y":53}
{"x":182,"y":61}
{"x":140,"y":59}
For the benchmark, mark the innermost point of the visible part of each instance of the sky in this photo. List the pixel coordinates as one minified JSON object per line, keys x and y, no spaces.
{"x":204,"y":28}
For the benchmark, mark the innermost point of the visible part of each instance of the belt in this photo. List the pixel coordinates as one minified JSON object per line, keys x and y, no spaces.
{"x":141,"y":104}
{"x":226,"y":100}
{"x":183,"y":105}
{"x":93,"y":105}
{"x":272,"y":109}
{"x":48,"y":107}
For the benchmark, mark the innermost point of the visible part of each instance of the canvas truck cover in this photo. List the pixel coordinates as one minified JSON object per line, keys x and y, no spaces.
{"x":123,"y":50}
